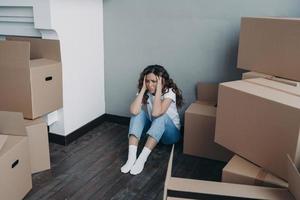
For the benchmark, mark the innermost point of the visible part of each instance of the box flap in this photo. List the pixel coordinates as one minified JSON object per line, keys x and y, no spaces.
{"x":293,"y":179}
{"x":273,"y":84}
{"x":169,"y":173}
{"x":3,"y":139}
{"x":244,"y":168}
{"x":223,"y":189}
{"x":12,"y":123}
{"x":202,"y":109}
{"x":41,"y":48}
{"x":264,"y":92}
{"x":14,"y":54}
{"x":41,"y":62}
{"x":228,"y":189}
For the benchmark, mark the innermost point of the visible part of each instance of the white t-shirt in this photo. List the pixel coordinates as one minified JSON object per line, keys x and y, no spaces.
{"x":172,"y":110}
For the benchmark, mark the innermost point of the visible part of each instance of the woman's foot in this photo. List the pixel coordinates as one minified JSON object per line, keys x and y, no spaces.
{"x":140,"y":162}
{"x":132,"y":149}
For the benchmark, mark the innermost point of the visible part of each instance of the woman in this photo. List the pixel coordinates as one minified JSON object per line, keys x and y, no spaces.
{"x":161,"y":96}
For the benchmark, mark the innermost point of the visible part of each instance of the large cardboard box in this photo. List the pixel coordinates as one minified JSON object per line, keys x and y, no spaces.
{"x":15,"y":174}
{"x":242,"y":171}
{"x":38,"y":145}
{"x":220,"y":190}
{"x":30,"y":76}
{"x":270,"y":46}
{"x":259,"y":119}
{"x":199,"y":132}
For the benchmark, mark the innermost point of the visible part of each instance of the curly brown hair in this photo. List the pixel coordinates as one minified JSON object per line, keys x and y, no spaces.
{"x":159,"y":70}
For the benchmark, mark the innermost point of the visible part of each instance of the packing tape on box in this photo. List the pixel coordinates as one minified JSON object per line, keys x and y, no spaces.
{"x":260,"y":177}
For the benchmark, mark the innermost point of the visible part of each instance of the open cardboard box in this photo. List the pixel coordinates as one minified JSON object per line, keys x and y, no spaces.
{"x":15,"y":173}
{"x":30,"y":76}
{"x":219,"y":189}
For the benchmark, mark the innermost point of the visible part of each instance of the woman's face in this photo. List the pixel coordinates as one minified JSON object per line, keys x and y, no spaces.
{"x":151,"y":82}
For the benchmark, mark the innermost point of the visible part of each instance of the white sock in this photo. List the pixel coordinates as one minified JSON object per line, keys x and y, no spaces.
{"x":140,"y":162}
{"x":132,"y":149}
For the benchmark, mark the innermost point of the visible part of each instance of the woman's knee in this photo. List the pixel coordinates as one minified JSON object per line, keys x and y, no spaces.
{"x":141,"y":113}
{"x":160,"y":118}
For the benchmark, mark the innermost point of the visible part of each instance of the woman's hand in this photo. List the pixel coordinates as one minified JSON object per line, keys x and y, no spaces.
{"x":159,"y":83}
{"x":144,"y":88}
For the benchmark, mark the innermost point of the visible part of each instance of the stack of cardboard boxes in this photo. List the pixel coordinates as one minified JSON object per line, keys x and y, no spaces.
{"x":199,"y":125}
{"x":258,"y":117}
{"x":30,"y":86}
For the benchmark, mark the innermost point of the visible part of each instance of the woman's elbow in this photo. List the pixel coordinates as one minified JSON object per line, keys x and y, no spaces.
{"x":155,"y":114}
{"x":134,"y":112}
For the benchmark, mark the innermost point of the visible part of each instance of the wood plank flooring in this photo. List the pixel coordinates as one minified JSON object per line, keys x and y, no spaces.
{"x":89,"y":168}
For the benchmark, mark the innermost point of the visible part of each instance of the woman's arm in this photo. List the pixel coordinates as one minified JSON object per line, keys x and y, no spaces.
{"x":160,"y":106}
{"x":135,"y":107}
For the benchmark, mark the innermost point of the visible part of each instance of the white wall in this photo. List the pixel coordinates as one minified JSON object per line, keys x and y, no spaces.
{"x":79,"y":27}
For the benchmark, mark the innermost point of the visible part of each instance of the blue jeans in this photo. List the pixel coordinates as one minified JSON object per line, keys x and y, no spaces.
{"x":160,"y":128}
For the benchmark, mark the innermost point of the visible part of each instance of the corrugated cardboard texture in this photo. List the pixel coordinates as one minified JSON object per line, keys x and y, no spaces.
{"x":38,"y":145}
{"x":270,"y":46}
{"x":15,"y":176}
{"x":259,"y":123}
{"x":199,"y":132}
{"x":241,"y":171}
{"x":227,"y":189}
{"x":207,"y":92}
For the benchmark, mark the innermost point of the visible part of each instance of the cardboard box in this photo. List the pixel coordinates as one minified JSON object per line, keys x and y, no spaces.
{"x":270,"y":46}
{"x":15,"y":174}
{"x":199,"y":131}
{"x":217,"y":190}
{"x":242,"y":171}
{"x":30,"y":77}
{"x":38,"y":145}
{"x":207,"y":92}
{"x":259,"y":119}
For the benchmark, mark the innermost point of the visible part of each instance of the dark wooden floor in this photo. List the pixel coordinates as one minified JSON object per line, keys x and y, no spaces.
{"x":89,"y":168}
